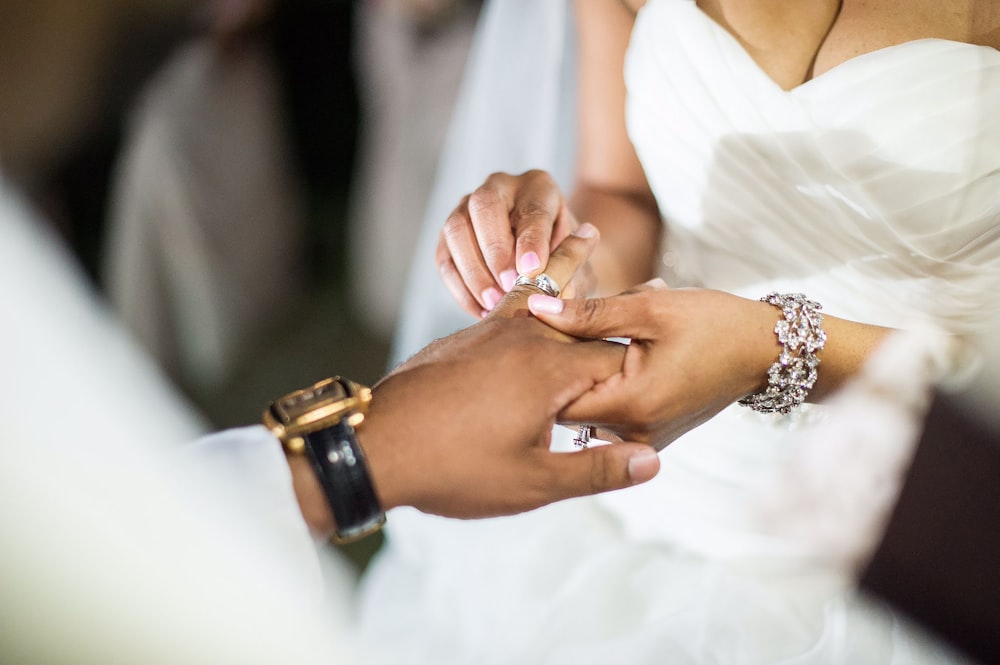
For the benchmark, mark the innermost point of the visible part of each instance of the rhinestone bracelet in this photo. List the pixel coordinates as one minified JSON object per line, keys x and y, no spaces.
{"x":801,"y":335}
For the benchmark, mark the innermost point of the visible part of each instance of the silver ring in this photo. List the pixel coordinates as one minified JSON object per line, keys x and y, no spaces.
{"x":542,"y":282}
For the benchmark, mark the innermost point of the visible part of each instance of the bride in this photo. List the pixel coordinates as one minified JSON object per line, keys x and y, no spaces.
{"x":847,"y":150}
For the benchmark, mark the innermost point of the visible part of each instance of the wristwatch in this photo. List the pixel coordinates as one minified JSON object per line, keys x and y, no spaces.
{"x":319,"y":422}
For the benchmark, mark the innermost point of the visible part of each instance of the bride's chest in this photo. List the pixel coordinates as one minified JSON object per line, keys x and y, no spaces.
{"x":795,"y":42}
{"x":901,"y":137}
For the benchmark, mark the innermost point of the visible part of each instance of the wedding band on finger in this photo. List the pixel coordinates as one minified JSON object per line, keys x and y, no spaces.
{"x":542,"y":282}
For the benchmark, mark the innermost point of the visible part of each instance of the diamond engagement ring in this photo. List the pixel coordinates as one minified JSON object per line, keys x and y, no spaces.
{"x":542,"y":282}
{"x":583,"y":435}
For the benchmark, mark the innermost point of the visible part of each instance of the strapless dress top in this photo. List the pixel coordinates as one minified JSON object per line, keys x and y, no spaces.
{"x":873,"y":187}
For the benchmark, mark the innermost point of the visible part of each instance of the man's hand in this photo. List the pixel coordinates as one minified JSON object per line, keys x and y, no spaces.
{"x":693,"y":352}
{"x":463,"y":428}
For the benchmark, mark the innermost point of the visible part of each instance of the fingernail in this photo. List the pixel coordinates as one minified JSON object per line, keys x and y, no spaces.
{"x":530,"y":262}
{"x":586,"y":231}
{"x":540,"y":304}
{"x":507,"y":278}
{"x":643,"y":465}
{"x":491,"y":297}
{"x":657,"y":283}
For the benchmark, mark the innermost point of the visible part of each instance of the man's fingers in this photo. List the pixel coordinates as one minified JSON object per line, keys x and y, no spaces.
{"x":572,"y":253}
{"x":566,"y":259}
{"x":566,"y":222}
{"x":600,"y":469}
{"x":627,"y":315}
{"x":579,"y":367}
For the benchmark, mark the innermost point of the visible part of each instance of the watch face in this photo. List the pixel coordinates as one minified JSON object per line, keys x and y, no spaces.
{"x":317,"y":407}
{"x":295,"y":406}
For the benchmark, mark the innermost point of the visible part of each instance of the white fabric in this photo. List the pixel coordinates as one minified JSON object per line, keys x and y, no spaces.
{"x":836,"y":493}
{"x":120,"y":545}
{"x":59,"y":343}
{"x":874,"y":189}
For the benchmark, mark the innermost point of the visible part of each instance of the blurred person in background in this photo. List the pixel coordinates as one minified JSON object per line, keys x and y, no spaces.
{"x":204,"y":248}
{"x":225,"y":246}
{"x":207,"y":196}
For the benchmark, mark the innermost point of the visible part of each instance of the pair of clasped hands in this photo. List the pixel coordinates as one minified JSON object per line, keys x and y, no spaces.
{"x":463,"y":428}
{"x":692,"y":353}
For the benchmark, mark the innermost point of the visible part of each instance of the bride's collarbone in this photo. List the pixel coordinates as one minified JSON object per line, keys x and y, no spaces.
{"x":795,"y":42}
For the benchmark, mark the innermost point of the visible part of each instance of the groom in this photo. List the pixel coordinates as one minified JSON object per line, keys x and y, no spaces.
{"x":101,"y":525}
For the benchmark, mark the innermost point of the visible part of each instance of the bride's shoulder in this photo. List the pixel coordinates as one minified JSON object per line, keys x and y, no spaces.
{"x":986,"y":23}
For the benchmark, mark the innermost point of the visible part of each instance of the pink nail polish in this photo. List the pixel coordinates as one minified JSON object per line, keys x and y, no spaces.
{"x":540,"y":304}
{"x":586,"y":231}
{"x":530,"y":262}
{"x":491,"y":297}
{"x":507,"y":278}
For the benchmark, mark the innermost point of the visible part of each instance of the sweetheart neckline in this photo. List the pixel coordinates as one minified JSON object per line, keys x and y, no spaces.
{"x":846,"y":64}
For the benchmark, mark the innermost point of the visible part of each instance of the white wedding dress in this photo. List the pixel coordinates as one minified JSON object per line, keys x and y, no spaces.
{"x":873,"y":188}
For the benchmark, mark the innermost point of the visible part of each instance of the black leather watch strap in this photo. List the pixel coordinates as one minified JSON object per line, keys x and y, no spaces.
{"x":340,"y":465}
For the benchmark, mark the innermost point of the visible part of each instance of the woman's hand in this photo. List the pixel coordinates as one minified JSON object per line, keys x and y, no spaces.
{"x":507,"y":226}
{"x":510,"y":223}
{"x":693,"y":352}
{"x":462,"y":429}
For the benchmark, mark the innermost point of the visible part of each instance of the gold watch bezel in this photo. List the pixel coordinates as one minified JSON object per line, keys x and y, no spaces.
{"x":316,"y":407}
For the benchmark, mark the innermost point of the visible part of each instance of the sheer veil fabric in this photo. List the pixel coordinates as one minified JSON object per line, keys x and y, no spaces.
{"x":874,"y":189}
{"x":515,"y":111}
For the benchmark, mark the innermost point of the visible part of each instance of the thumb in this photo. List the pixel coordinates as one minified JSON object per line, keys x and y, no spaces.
{"x":626,"y":315}
{"x":601,"y":469}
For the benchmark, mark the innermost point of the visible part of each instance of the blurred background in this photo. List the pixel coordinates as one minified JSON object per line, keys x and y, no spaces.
{"x":251,"y":180}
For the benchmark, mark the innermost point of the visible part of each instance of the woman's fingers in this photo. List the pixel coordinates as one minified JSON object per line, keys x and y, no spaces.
{"x":509,"y":224}
{"x":624,"y":397}
{"x":517,"y":220}
{"x":627,"y":315}
{"x":459,"y":244}
{"x":455,"y":284}
{"x":534,"y":216}
{"x":490,"y":211}
{"x":615,"y":401}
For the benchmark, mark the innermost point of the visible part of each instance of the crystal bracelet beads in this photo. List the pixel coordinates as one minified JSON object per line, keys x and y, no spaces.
{"x":793,"y":375}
